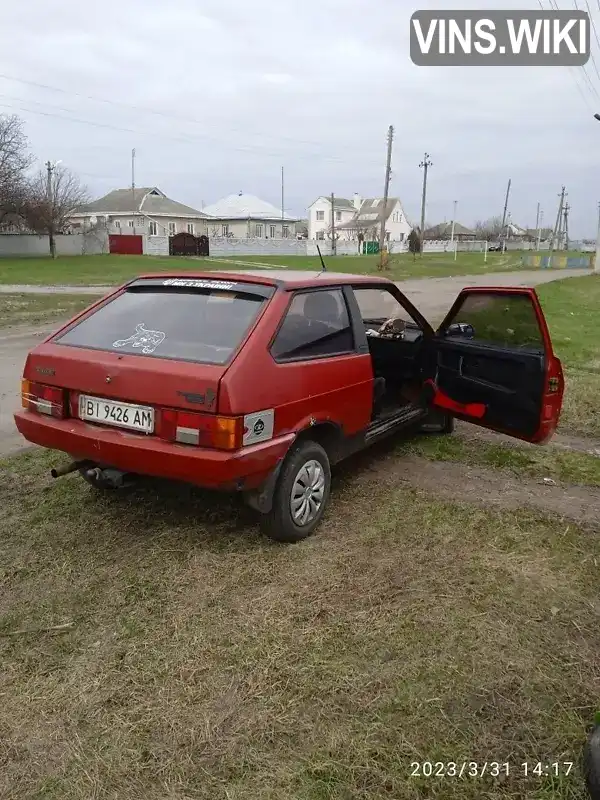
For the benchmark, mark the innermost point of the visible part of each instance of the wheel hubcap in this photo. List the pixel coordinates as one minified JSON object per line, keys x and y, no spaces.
{"x":307,"y":493}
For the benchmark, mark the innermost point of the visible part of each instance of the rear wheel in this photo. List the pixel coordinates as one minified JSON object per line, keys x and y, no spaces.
{"x":301,"y":494}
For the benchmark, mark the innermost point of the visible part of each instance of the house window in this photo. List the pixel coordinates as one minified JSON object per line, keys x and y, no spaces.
{"x":285,"y":231}
{"x":258,"y":231}
{"x":190,"y":228}
{"x":118,"y":223}
{"x":320,"y":235}
{"x":272,"y":231}
{"x":152,"y":228}
{"x":317,"y":325}
{"x":338,"y":215}
{"x":225,"y":229}
{"x":320,"y":215}
{"x":131,"y":223}
{"x":171,"y":229}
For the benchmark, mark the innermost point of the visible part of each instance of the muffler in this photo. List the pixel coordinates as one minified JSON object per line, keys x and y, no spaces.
{"x":109,"y":478}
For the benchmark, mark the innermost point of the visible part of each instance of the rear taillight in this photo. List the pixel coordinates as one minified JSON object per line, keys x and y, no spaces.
{"x":49,"y":400}
{"x":202,"y":430}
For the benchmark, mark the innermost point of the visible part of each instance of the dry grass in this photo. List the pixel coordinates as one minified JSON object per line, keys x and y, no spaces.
{"x":33,"y":309}
{"x":206,"y":662}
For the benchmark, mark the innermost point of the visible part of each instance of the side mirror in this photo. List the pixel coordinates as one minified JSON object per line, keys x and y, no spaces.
{"x":461,"y":329}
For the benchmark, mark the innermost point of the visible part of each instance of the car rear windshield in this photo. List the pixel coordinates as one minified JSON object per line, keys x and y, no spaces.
{"x":200,"y":322}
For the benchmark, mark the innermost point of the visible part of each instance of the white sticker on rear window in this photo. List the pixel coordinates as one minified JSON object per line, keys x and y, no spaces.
{"x":146,"y":339}
{"x":198,"y":284}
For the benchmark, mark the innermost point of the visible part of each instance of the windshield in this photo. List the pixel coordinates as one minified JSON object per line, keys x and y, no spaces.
{"x":183,"y":324}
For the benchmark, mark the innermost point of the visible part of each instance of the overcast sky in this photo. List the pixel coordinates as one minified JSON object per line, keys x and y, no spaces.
{"x":239,"y":89}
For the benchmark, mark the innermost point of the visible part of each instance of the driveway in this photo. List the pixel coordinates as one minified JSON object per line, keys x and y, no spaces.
{"x":432,"y":296}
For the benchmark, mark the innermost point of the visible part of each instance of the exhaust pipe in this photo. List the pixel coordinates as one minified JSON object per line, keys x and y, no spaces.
{"x":66,"y":469}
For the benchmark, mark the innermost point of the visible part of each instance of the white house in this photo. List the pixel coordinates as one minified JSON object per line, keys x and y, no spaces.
{"x":245,"y":216}
{"x":141,"y":211}
{"x":319,"y":214}
{"x":362,"y":217}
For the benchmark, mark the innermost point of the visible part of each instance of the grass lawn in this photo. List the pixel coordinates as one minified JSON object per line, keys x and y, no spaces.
{"x":109,"y":269}
{"x":524,"y":460}
{"x":203,"y":661}
{"x":33,"y":309}
{"x":572,"y":311}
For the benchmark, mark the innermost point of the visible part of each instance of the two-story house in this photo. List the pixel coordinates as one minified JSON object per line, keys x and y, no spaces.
{"x":319,"y":214}
{"x":366,"y":221}
{"x":139,"y":211}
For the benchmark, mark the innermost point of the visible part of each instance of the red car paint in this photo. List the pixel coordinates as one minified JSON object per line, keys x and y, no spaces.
{"x":334,"y":391}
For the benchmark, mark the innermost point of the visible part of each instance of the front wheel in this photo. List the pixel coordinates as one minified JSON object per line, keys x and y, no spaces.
{"x":301,"y":494}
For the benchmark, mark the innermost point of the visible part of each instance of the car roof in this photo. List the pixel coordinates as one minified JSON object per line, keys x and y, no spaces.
{"x":286,"y":278}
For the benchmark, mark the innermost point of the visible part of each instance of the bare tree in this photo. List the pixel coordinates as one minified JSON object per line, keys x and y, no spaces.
{"x":15,"y":160}
{"x":489,"y":229}
{"x":55,"y":195}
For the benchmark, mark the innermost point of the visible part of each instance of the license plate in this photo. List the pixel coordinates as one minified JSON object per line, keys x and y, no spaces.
{"x":123,"y":415}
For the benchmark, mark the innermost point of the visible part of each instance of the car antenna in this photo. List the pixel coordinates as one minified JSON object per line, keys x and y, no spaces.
{"x":324,"y":268}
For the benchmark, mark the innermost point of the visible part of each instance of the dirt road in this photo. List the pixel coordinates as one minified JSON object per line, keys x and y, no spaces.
{"x":432,"y":296}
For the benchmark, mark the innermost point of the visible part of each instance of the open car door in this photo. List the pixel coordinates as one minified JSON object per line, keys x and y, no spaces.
{"x":492,"y":363}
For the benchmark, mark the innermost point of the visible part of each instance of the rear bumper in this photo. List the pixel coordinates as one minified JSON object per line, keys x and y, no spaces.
{"x":239,"y":470}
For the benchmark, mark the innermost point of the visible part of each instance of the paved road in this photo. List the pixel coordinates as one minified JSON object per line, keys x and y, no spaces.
{"x":432,"y":296}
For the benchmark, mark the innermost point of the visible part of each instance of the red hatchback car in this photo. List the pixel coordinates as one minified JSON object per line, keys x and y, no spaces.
{"x":259,"y":381}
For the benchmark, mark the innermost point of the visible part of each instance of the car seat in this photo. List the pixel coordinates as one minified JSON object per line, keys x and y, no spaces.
{"x":322,"y":307}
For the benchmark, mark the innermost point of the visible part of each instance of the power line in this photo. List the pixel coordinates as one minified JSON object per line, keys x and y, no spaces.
{"x":163,"y":135}
{"x":131,"y":106}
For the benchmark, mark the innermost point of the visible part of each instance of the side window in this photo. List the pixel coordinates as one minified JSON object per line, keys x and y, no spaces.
{"x":504,"y":320}
{"x":378,"y":306}
{"x":317,"y":324}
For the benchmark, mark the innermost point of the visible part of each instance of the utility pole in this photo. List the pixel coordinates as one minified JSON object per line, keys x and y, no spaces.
{"x":425,"y":164}
{"x":453,"y":222}
{"x":503,"y":232}
{"x":537,"y":220}
{"x":386,"y":191}
{"x":566,"y":225}
{"x":539,"y":230}
{"x":597,"y":256}
{"x":554,"y":243}
{"x":133,"y":187}
{"x":333,"y":243}
{"x":50,"y":198}
{"x":282,"y":201}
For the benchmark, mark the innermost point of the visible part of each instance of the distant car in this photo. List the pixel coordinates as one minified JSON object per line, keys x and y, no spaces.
{"x":493,"y":248}
{"x":259,"y":381}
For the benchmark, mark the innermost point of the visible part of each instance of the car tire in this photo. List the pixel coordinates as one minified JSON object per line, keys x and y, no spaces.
{"x":306,"y":466}
{"x":437,"y":422}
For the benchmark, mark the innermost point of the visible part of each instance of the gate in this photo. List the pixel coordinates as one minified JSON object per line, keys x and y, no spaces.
{"x":203,"y":246}
{"x":186,"y":244}
{"x":125,"y":245}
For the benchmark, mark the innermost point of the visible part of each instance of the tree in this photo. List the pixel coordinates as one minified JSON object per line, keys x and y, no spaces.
{"x":55,"y":194}
{"x":414,"y":243}
{"x":490,"y":229}
{"x":15,"y":160}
